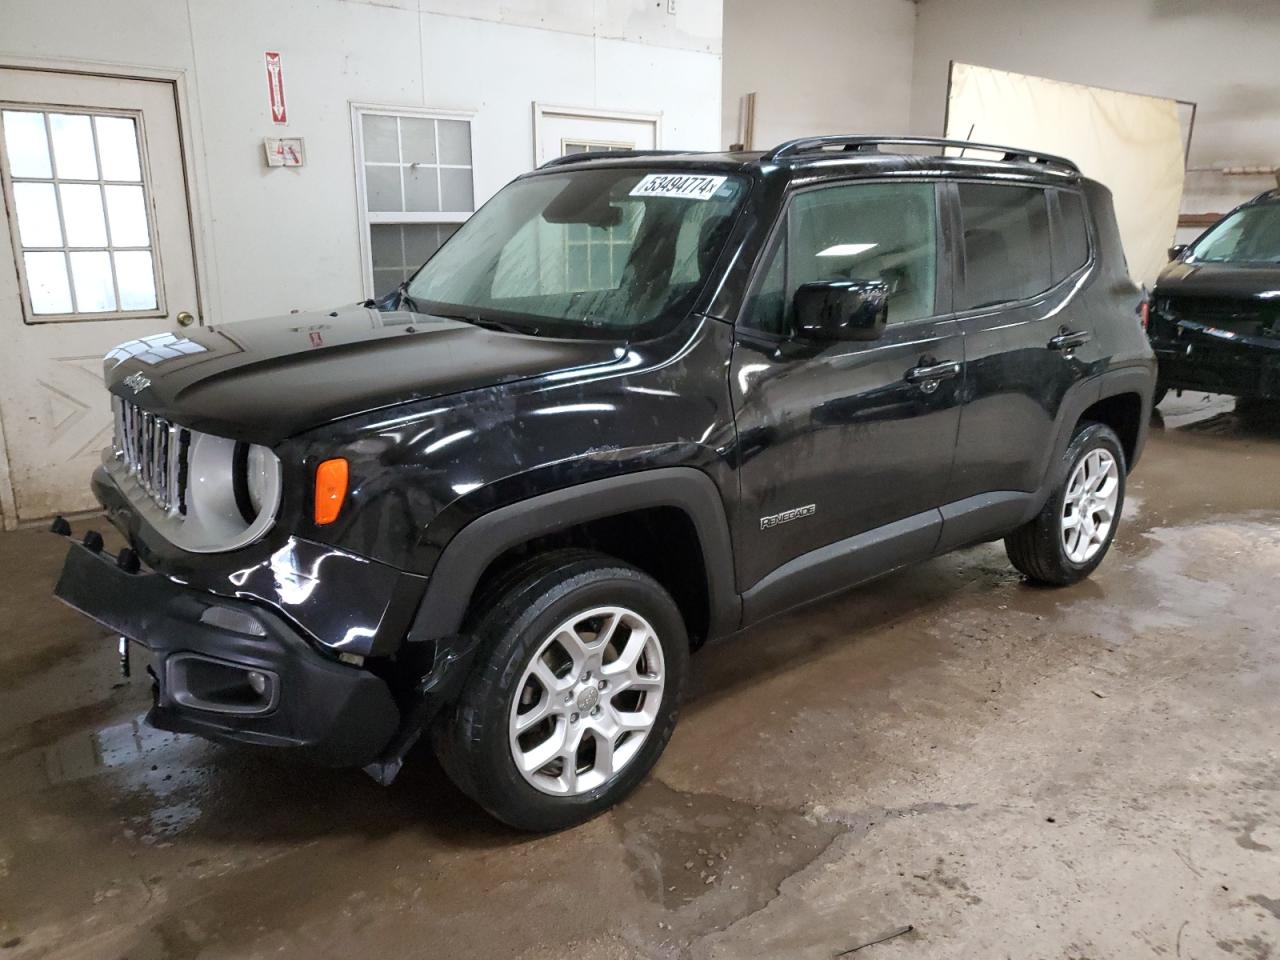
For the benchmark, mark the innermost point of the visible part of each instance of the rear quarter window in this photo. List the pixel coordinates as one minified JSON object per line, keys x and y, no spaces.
{"x":1006,"y":243}
{"x":1070,"y":236}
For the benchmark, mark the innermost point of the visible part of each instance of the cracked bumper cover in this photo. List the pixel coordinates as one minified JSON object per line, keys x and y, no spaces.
{"x":334,"y":713}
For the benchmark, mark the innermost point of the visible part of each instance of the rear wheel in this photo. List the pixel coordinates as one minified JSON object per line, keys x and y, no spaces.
{"x":1067,"y":540}
{"x":576,"y":694}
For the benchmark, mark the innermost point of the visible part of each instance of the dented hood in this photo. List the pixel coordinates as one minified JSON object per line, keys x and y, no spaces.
{"x":265,"y":380}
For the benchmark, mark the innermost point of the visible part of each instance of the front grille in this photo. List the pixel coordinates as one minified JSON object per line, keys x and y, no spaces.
{"x":155,"y":452}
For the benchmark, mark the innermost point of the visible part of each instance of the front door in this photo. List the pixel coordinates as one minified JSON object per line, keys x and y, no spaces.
{"x":98,"y":251}
{"x":844,"y":445}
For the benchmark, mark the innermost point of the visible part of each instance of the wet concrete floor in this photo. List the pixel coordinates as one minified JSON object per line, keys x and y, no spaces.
{"x":1014,"y":772}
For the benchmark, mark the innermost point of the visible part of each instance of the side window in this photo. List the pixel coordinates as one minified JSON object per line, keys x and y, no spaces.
{"x":868,"y":231}
{"x":1006,"y":243}
{"x":1070,"y":235}
{"x":859,"y":231}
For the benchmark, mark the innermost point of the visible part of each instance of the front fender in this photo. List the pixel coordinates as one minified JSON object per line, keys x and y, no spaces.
{"x":469,"y":552}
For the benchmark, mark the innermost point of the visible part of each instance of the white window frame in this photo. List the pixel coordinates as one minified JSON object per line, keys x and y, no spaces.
{"x":367,"y":218}
{"x":29,"y":315}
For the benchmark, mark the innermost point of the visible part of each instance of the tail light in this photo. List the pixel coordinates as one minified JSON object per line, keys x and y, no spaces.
{"x":1144,"y":314}
{"x":331,"y":490}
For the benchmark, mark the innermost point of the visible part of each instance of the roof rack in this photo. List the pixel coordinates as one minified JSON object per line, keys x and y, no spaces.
{"x":868,"y":144}
{"x":609,"y":155}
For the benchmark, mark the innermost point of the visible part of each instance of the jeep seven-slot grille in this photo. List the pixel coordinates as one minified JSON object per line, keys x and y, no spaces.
{"x":155,"y":452}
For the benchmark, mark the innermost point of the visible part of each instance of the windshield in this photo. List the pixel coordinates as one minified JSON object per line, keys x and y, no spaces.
{"x":1251,"y":235}
{"x":583,"y":253}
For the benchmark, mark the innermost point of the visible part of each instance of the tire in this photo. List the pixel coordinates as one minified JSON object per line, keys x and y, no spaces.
{"x":554,"y":608}
{"x":1258,"y":412}
{"x":1161,"y":392}
{"x":1042,"y":549}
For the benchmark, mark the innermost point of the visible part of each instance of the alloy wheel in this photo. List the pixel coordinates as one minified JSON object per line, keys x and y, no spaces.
{"x":1089,"y":509}
{"x":587,"y":701}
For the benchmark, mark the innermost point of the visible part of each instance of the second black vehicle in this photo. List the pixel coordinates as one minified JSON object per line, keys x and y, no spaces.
{"x":637,"y":402}
{"x":1215,"y":317}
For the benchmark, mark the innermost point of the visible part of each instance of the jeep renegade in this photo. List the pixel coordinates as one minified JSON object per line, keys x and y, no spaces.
{"x":637,"y":402}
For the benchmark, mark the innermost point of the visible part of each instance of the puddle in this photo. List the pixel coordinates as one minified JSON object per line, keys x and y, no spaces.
{"x":706,"y":859}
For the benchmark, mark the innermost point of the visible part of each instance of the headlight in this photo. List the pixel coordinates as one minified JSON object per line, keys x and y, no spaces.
{"x":203,"y":493}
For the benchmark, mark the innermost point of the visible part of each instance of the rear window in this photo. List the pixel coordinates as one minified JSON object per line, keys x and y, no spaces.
{"x":1070,"y":237}
{"x":1006,"y":243}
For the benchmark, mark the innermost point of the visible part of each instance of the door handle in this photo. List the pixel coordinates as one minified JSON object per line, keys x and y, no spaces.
{"x":1070,"y":339}
{"x":932,"y":372}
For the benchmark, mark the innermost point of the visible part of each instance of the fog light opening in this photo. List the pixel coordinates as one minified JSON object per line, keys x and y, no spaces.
{"x":203,"y":683}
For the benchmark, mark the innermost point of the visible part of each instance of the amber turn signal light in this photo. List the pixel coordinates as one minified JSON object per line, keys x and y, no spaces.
{"x":331,"y":490}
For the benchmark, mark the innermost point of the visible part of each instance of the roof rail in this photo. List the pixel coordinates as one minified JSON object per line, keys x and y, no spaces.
{"x":608,"y":155}
{"x":868,"y":144}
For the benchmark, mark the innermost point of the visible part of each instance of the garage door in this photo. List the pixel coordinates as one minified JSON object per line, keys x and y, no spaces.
{"x":99,"y":252}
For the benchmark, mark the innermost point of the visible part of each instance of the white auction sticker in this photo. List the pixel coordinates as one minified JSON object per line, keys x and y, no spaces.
{"x":690,"y":186}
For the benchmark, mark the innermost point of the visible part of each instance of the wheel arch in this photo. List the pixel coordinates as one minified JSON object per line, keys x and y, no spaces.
{"x":1124,"y":403}
{"x":683,"y":495}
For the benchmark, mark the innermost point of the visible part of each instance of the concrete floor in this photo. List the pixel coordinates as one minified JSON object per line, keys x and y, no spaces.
{"x":1016,"y":772}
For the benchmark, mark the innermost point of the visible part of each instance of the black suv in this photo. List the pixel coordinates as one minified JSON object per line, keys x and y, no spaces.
{"x":1215,"y":318}
{"x":634,"y":404}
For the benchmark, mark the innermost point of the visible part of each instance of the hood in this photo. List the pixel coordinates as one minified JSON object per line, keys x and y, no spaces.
{"x":1244,"y":280}
{"x":265,"y":380}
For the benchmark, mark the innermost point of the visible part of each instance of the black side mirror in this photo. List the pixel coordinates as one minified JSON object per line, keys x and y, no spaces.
{"x":1177,"y":250}
{"x":842,"y":309}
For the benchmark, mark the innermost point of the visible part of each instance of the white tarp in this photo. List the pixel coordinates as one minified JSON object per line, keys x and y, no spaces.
{"x":1131,"y":143}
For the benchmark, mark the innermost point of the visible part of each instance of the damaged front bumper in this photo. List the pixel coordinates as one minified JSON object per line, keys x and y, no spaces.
{"x":1201,"y":357}
{"x":230,"y":670}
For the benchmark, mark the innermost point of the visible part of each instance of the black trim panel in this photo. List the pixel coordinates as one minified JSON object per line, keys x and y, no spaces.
{"x":986,"y":517}
{"x":1136,"y":378}
{"x":843,"y":564}
{"x":480,"y":542}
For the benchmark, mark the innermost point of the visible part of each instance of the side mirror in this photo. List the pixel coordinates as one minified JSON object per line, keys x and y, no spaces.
{"x":842,"y":309}
{"x":1177,"y":250}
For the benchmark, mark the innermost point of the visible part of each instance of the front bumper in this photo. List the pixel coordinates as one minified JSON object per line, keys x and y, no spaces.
{"x":239,"y":673}
{"x":345,"y":602}
{"x":1241,"y":370}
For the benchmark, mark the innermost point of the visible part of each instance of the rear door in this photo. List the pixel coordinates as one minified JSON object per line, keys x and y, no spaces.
{"x":1028,"y":340}
{"x":837,"y":438}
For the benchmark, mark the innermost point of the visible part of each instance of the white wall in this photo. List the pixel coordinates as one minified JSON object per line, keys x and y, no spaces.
{"x":274,"y":240}
{"x":1222,"y":54}
{"x":818,"y":66}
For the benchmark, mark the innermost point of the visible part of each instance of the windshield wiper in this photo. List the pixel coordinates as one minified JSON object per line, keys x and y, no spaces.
{"x":406,"y":300}
{"x":395,"y":300}
{"x":488,"y":323}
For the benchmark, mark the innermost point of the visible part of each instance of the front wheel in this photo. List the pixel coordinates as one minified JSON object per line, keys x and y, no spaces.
{"x":1258,"y":412}
{"x":582,"y":662}
{"x":1067,"y":540}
